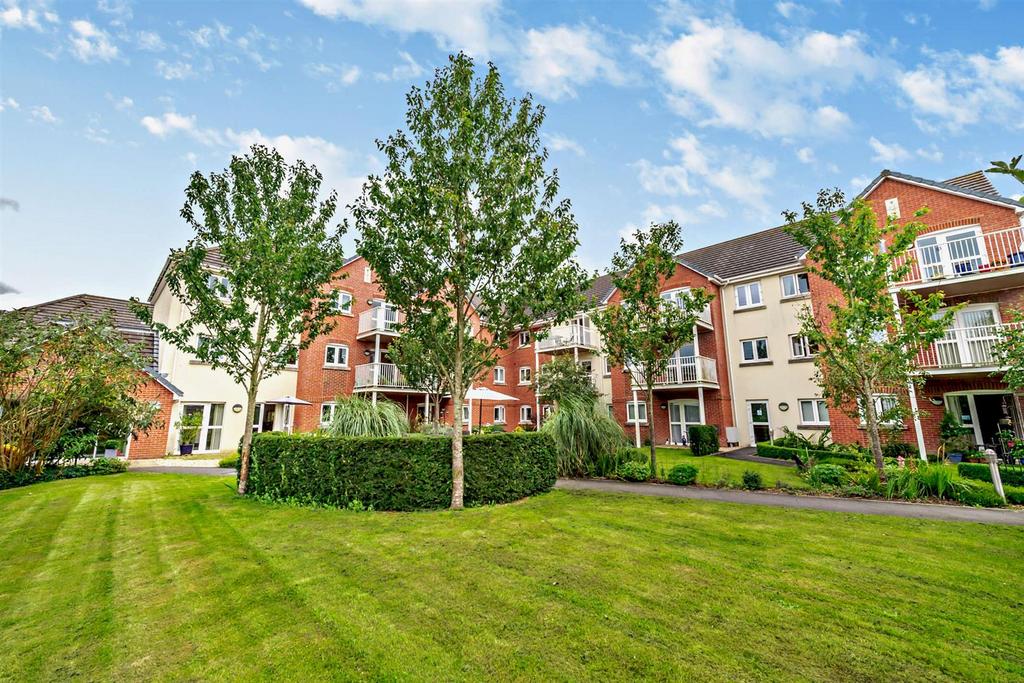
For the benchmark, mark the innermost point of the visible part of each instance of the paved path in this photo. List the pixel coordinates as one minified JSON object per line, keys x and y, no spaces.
{"x":208,"y":471}
{"x":949,"y":513}
{"x":749,"y":454}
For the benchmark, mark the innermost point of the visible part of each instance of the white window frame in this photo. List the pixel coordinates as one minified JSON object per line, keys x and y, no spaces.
{"x":346,"y":307}
{"x":525,"y":413}
{"x":748,"y":288}
{"x":466,"y":415}
{"x":528,"y":371}
{"x":805,"y":347}
{"x":499,"y":414}
{"x":205,"y":428}
{"x":524,"y":339}
{"x":335,"y":363}
{"x":295,"y":364}
{"x":946,"y":267}
{"x":607,"y":367}
{"x":879,"y":400}
{"x":216,"y":278}
{"x":631,"y":412}
{"x":753,"y":345}
{"x":499,"y":375}
{"x":816,"y":407}
{"x":796,"y":279}
{"x":330,"y":407}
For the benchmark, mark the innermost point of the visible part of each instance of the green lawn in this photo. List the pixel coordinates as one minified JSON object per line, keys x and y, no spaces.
{"x":142,"y":576}
{"x":713,"y":469}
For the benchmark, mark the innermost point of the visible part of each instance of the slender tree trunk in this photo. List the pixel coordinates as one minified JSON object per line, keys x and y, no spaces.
{"x":250,"y":415}
{"x":874,"y":438}
{"x":650,"y":430}
{"x":458,"y":396}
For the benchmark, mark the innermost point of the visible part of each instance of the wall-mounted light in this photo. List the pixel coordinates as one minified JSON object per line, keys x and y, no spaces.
{"x":783,"y":406}
{"x":237,"y":408}
{"x":664,"y":406}
{"x":935,"y":400}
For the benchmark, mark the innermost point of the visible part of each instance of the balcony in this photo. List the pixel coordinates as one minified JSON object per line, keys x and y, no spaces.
{"x":966,"y":261}
{"x":964,"y":350}
{"x":381,"y":377}
{"x":688,"y":371}
{"x":379,"y":320}
{"x":567,"y":338}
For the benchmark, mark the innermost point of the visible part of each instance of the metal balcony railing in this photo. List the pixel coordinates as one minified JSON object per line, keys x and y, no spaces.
{"x":380,"y":376}
{"x":688,"y":371}
{"x":979,"y":253}
{"x":379,"y":320}
{"x":964,"y":348}
{"x":568,"y":337}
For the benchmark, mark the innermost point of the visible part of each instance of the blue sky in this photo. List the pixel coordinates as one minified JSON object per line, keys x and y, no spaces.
{"x":720,"y":116}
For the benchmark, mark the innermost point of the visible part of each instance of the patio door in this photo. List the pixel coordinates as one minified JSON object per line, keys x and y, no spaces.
{"x":971,"y":340}
{"x":681,"y":414}
{"x":264,"y":418}
{"x":759,"y":422}
{"x":212,"y":425}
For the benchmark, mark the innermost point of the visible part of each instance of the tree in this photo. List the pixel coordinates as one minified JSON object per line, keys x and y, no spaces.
{"x":272,"y":296}
{"x":421,"y":354}
{"x":643,"y":330}
{"x":57,"y":381}
{"x":1009,"y":349}
{"x":563,"y":378}
{"x":866,"y":339}
{"x":464,"y":228}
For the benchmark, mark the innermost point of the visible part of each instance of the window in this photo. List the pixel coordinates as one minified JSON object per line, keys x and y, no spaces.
{"x":499,"y":415}
{"x":212,"y":421}
{"x":336,"y":356}
{"x":524,"y":375}
{"x":748,"y":295}
{"x":813,"y":411}
{"x":326,"y":413}
{"x":499,"y":375}
{"x":219,"y":285}
{"x":801,"y":347}
{"x":887,"y":408}
{"x":465,"y":413}
{"x":755,"y":350}
{"x":290,"y":357}
{"x":635,"y":408}
{"x":611,"y":411}
{"x":795,"y":284}
{"x":343,"y":303}
{"x":607,"y":367}
{"x":524,"y":339}
{"x":526,"y":413}
{"x":587,"y":366}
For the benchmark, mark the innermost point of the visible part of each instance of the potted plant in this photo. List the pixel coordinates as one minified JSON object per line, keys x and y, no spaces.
{"x":957,"y":439}
{"x":188,"y":431}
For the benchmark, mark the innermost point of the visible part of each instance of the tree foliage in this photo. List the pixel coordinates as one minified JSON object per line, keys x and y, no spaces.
{"x":1012,"y":169}
{"x":562,"y":378}
{"x":867,"y":341}
{"x":278,"y":254}
{"x":1009,"y":349}
{"x":60,"y":383}
{"x":643,"y":330}
{"x":464,"y":226}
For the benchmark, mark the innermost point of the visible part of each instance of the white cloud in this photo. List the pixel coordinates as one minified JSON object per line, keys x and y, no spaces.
{"x":408,"y":69}
{"x":557,"y":142}
{"x":173,"y":122}
{"x":887,"y":153}
{"x":454,"y":24}
{"x":805,"y":155}
{"x":9,"y":103}
{"x":90,"y":43}
{"x":94,"y":132}
{"x":722,"y":74}
{"x":858,"y":183}
{"x":254,"y":44}
{"x":175,"y":71}
{"x":932,"y":153}
{"x":121,"y":103}
{"x":43,"y":113}
{"x":712,"y":209}
{"x":121,"y":10}
{"x":13,"y":16}
{"x":192,"y":158}
{"x":335,"y":75}
{"x":556,"y":60}
{"x":792,"y":10}
{"x":954,"y":90}
{"x":150,"y":41}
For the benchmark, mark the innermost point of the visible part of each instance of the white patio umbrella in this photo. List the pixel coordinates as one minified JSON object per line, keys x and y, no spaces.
{"x":287,"y":402}
{"x":484,"y":394}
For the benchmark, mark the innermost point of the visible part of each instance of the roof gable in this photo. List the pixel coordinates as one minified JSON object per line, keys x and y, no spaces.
{"x":971,"y":187}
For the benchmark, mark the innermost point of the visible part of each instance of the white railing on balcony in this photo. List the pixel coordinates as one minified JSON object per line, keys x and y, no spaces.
{"x":705,"y":316}
{"x":941,"y":259}
{"x":567,"y":337}
{"x":685,"y":370}
{"x":379,"y":320}
{"x":381,"y":376}
{"x":964,"y":347}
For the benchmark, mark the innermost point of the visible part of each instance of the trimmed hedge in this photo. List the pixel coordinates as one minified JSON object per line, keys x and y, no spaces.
{"x":703,"y":439}
{"x":400,"y":473}
{"x":27,"y":476}
{"x":981,"y":472}
{"x":845,"y":459}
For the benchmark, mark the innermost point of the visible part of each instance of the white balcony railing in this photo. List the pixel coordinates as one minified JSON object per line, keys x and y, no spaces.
{"x":380,"y":376}
{"x":688,"y":370}
{"x":970,"y":255}
{"x":568,"y":337}
{"x":964,"y":348}
{"x":379,"y":320}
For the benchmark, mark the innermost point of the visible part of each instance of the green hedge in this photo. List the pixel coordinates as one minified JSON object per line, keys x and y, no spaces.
{"x":27,"y":476}
{"x":846,"y":459}
{"x":703,"y":439}
{"x":981,"y":472}
{"x":400,"y":473}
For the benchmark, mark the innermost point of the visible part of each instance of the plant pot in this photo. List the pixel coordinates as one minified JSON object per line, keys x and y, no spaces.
{"x":954,"y":457}
{"x":185,"y":448}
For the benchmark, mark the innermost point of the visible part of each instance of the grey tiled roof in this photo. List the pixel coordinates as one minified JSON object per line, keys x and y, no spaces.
{"x":975,"y":180}
{"x":764,"y":250}
{"x":968,"y":188}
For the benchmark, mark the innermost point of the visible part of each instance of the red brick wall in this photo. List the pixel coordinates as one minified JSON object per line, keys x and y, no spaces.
{"x":153,"y":444}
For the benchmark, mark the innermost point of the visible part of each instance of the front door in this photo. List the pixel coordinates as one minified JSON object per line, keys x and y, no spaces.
{"x":681,"y":414}
{"x":760,"y":423}
{"x":267,"y":421}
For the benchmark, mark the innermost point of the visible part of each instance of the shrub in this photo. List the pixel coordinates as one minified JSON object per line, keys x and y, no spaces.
{"x":27,"y":475}
{"x":1014,"y":494}
{"x":608,"y":465}
{"x":981,"y":472}
{"x":356,"y":416}
{"x":682,"y":474}
{"x":585,"y":435}
{"x":400,"y":473}
{"x":703,"y":439}
{"x":230,"y":461}
{"x":752,"y":480}
{"x":898,"y":449}
{"x":827,"y":474}
{"x":979,"y":494}
{"x":634,"y":471}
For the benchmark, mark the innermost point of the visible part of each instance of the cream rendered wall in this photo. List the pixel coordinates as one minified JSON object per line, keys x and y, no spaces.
{"x":782,"y":380}
{"x":200,"y":383}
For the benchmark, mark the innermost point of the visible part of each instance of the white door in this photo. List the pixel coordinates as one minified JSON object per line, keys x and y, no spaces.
{"x":951,"y":254}
{"x":212,"y":424}
{"x":681,"y":414}
{"x":759,"y":422}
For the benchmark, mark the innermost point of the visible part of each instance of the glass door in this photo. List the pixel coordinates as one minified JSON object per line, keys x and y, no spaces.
{"x":950,"y":254}
{"x":681,"y":414}
{"x":760,"y":422}
{"x":978,"y":335}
